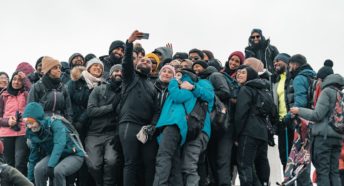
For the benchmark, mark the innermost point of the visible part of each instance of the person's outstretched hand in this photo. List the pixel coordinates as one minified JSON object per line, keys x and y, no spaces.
{"x":136,"y":35}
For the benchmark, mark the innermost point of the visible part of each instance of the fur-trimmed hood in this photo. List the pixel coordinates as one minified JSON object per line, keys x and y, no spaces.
{"x":76,"y":73}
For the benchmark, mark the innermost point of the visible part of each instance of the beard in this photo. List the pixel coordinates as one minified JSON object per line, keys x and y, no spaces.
{"x":143,"y":69}
{"x":280,"y":70}
{"x":115,"y":59}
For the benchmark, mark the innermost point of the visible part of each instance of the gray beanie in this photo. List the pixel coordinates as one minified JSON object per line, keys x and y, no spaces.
{"x":94,"y":61}
{"x":115,"y":67}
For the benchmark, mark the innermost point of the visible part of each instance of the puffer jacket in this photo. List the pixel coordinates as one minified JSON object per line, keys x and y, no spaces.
{"x":9,"y":104}
{"x":181,"y":101}
{"x":10,"y":176}
{"x":322,"y":112}
{"x":266,"y":53}
{"x":296,"y":88}
{"x":54,"y":140}
{"x":100,"y":110}
{"x":218,"y":81}
{"x":53,"y":101}
{"x":79,"y":95}
{"x":246,"y":121}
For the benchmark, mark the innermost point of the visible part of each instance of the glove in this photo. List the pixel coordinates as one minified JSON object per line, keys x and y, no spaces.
{"x":50,"y":172}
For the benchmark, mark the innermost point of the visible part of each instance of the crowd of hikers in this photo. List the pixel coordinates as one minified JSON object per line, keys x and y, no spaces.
{"x":132,"y":118}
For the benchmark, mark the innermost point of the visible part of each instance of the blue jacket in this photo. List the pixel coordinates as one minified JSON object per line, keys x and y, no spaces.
{"x":300,"y":83}
{"x":179,"y":100}
{"x":54,"y":140}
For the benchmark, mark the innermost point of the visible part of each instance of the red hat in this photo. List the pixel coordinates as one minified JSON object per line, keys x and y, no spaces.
{"x":240,"y":55}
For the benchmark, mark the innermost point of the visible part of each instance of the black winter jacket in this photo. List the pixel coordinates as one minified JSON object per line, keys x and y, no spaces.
{"x":101,"y":111}
{"x":55,"y":101}
{"x":266,"y":53}
{"x":246,"y":121}
{"x":139,"y":97}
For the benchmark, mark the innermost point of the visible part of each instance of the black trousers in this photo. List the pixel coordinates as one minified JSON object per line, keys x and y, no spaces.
{"x":139,"y":159}
{"x":253,"y":161}
{"x":16,"y":152}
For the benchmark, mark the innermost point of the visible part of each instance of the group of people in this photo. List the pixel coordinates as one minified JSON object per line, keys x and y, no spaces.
{"x":130,"y":118}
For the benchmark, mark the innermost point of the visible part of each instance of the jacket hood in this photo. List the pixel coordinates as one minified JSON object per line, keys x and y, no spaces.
{"x":189,"y":75}
{"x":258,"y":83}
{"x":25,"y":67}
{"x":76,"y":73}
{"x":208,"y":71}
{"x":333,"y":79}
{"x":166,"y":53}
{"x":305,"y":70}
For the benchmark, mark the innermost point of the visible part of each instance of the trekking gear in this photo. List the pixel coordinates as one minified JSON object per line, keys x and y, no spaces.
{"x":232,"y":84}
{"x":195,"y":119}
{"x":219,"y":115}
{"x":336,"y":119}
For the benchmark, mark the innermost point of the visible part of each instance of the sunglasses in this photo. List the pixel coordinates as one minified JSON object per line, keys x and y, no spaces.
{"x":195,"y":58}
{"x":252,"y":37}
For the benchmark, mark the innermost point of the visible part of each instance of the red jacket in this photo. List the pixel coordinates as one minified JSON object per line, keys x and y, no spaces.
{"x":9,"y":104}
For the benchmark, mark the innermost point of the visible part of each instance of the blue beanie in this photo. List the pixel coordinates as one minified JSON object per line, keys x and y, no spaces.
{"x":282,"y":57}
{"x":34,"y":110}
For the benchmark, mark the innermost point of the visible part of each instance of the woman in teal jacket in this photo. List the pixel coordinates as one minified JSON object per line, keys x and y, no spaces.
{"x":181,"y":100}
{"x":64,"y":157}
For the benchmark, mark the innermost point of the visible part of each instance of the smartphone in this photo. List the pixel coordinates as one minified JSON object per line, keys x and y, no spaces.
{"x":145,"y":36}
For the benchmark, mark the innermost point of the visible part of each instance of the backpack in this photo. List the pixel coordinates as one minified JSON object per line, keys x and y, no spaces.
{"x":195,"y":119}
{"x":312,"y":83}
{"x":72,"y":132}
{"x":219,"y":114}
{"x":336,"y":119}
{"x":232,"y":84}
{"x":264,"y":102}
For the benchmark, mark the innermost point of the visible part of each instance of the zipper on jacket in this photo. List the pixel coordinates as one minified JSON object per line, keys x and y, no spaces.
{"x":54,"y":101}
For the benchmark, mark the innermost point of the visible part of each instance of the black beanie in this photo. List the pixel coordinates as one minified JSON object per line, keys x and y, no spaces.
{"x":299,"y":59}
{"x":89,"y":57}
{"x":74,"y":56}
{"x":251,"y":73}
{"x":116,"y":44}
{"x":326,"y":69}
{"x":282,"y":57}
{"x":39,"y":60}
{"x":200,"y":62}
{"x":181,"y":55}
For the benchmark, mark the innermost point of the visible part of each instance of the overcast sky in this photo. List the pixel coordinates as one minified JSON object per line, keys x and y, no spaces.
{"x":30,"y":29}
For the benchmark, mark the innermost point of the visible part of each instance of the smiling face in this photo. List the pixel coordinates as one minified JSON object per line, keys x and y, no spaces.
{"x":255,"y":38}
{"x":234,"y":62}
{"x":118,"y":52}
{"x":144,"y":65}
{"x":3,"y":81}
{"x":96,"y":70}
{"x":241,"y":76}
{"x":166,"y":75}
{"x":198,"y":69}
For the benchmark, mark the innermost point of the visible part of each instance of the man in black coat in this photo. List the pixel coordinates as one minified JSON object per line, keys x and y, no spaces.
{"x":260,"y":48}
{"x":137,"y":106}
{"x":104,"y":161}
{"x":116,"y":53}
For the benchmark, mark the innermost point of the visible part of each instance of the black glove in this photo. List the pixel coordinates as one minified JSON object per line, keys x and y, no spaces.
{"x":50,"y":172}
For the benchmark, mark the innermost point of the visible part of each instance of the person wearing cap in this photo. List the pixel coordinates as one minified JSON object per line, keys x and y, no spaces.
{"x":285,"y":134}
{"x":235,"y":59}
{"x":326,"y":142}
{"x":37,"y":75}
{"x":115,"y":56}
{"x":10,"y":176}
{"x":260,"y":48}
{"x":180,"y":56}
{"x":83,"y":81}
{"x":63,"y":155}
{"x":251,"y":134}
{"x":296,"y":91}
{"x":12,"y":128}
{"x":103,"y":148}
{"x":50,"y":91}
{"x":137,"y":108}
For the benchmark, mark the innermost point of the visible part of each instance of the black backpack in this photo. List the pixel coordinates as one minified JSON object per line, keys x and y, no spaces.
{"x":264,"y":102}
{"x":195,"y":119}
{"x":219,"y":114}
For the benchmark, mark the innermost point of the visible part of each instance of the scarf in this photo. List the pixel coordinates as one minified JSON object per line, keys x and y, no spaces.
{"x":51,"y":83}
{"x":90,"y":79}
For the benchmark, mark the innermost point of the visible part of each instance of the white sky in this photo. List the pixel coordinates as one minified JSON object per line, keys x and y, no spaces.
{"x":30,"y":29}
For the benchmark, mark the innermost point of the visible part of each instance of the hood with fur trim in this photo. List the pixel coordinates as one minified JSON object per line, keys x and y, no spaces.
{"x":76,"y":73}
